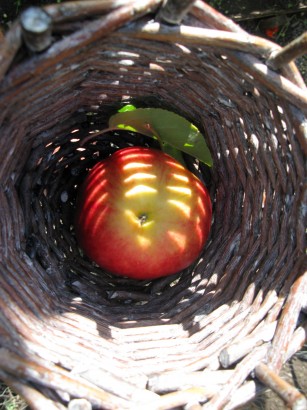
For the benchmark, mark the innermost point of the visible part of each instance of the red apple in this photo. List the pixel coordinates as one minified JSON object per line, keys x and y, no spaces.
{"x":141,"y":214}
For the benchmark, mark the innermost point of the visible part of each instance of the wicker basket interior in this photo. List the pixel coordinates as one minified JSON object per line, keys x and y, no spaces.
{"x":74,"y":335}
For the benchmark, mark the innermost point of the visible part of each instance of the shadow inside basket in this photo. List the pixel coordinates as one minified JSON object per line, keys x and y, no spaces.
{"x":48,"y":188}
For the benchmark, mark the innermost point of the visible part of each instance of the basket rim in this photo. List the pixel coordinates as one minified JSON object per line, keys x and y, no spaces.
{"x":254,"y":53}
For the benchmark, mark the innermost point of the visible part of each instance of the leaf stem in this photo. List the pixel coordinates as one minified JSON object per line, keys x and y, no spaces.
{"x":96,"y":134}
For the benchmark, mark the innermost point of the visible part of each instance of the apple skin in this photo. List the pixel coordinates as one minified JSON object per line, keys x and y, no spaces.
{"x":142,"y":215}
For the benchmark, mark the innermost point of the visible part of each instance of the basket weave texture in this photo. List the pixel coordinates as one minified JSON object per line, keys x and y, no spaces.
{"x":72,"y":335}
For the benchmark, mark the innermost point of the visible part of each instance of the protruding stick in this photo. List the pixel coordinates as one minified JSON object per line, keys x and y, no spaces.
{"x":9,"y":47}
{"x":36,"y":28}
{"x":173,"y":11}
{"x":297,"y":342}
{"x":236,"y":351}
{"x":288,"y":322}
{"x":290,"y":395}
{"x":74,"y":10}
{"x":290,"y":52}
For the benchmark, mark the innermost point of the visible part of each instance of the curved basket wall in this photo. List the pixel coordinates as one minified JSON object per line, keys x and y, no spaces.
{"x":69,"y":331}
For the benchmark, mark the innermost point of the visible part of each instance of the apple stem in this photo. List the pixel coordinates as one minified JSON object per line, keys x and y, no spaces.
{"x":142,"y":219}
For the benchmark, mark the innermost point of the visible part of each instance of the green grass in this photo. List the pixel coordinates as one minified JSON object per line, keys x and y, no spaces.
{"x":9,"y":400}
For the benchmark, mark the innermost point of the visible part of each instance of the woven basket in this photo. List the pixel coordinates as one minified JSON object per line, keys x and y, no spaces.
{"x":211,"y":336}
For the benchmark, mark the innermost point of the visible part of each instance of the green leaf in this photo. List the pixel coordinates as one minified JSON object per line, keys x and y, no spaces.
{"x":166,"y":126}
{"x":128,"y":107}
{"x":173,"y":152}
{"x":126,"y":127}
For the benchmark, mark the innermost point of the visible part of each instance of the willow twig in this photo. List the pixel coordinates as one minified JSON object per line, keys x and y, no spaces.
{"x":9,"y":47}
{"x":178,"y":380}
{"x":33,"y":397}
{"x":75,"y":10}
{"x":236,"y":351}
{"x":213,"y":18}
{"x":298,"y":341}
{"x":232,"y":41}
{"x":36,"y":28}
{"x":53,"y":376}
{"x":173,"y":11}
{"x":247,"y":392}
{"x":280,"y":85}
{"x":293,"y":50}
{"x":201,"y":36}
{"x":91,"y":32}
{"x":242,"y":370}
{"x":287,"y":323}
{"x":180,"y":398}
{"x":289,"y":394}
